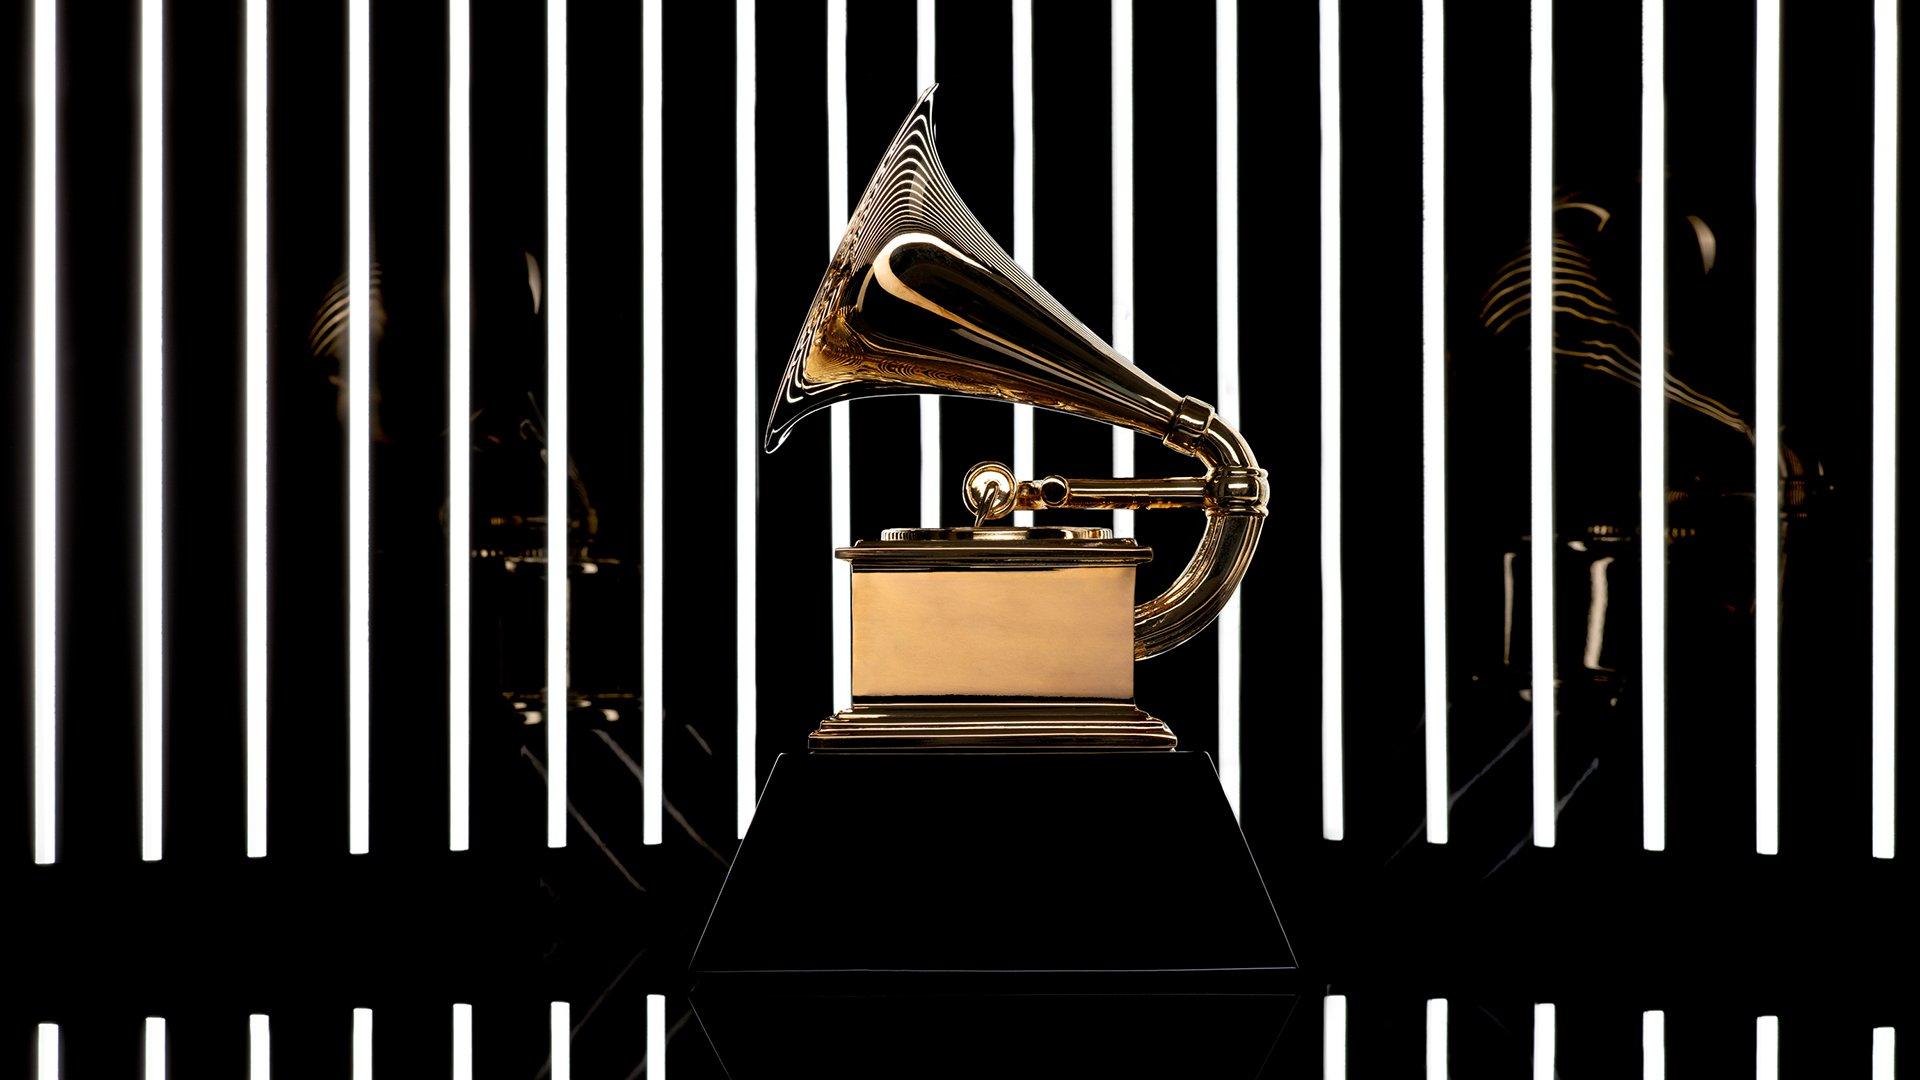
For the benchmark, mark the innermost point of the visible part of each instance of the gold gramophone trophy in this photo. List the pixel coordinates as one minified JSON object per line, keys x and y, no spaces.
{"x":993,"y":801}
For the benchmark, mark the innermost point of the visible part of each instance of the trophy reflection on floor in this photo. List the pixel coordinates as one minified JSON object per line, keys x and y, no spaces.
{"x":993,"y":800}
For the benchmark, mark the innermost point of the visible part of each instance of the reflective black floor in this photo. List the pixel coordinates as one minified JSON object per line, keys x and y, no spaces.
{"x":403,"y":941}
{"x":1711,"y":946}
{"x":936,"y":1033}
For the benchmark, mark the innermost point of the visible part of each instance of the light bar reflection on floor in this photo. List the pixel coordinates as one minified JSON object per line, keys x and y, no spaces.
{"x":47,"y":1052}
{"x":1333,"y":1038}
{"x":462,"y":1042}
{"x":1544,"y":1042}
{"x":1766,"y":1048}
{"x":155,"y":1051}
{"x":362,"y":1060}
{"x":1653,"y":1045}
{"x":259,"y":1048}
{"x":560,"y":1040}
{"x":1437,"y":1039}
{"x":1883,"y":1053}
{"x":656,"y":1037}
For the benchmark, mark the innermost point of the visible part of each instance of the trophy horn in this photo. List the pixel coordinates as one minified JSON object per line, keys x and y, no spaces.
{"x":920,"y":299}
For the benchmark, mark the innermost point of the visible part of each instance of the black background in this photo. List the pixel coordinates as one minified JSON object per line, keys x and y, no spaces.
{"x":1706,"y":929}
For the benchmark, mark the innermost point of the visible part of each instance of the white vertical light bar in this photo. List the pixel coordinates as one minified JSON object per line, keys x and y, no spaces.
{"x":1433,"y":413}
{"x":259,"y":1048}
{"x":46,"y":391}
{"x":656,"y":1037}
{"x":1540,"y":385}
{"x":1886,"y":431}
{"x":746,"y":422}
{"x":558,"y":562}
{"x":924,"y":44}
{"x":47,"y":1055}
{"x":840,"y":435}
{"x":1226,"y":276}
{"x":1653,"y":425}
{"x":362,"y":1060}
{"x":153,"y":653}
{"x":156,"y":1049}
{"x":930,"y":484}
{"x":1333,"y":1038}
{"x":462,"y":1041}
{"x":1766,"y":1048}
{"x":359,"y":416}
{"x":1122,"y":69}
{"x":1543,"y":1041}
{"x":459,"y":412}
{"x":1653,"y":1045}
{"x":1766,"y":430}
{"x":653,"y":394}
{"x":1437,"y":1039}
{"x":560,"y":1040}
{"x":256,"y":413}
{"x":1023,"y":465}
{"x":1883,"y":1053}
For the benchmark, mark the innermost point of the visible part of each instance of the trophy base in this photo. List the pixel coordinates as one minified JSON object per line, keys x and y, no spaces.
{"x":1069,"y":864}
{"x":885,"y":1033}
{"x":992,"y":726}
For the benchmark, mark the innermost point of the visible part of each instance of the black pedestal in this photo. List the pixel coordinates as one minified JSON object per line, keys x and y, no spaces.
{"x":1113,"y":1036}
{"x":993,"y":863}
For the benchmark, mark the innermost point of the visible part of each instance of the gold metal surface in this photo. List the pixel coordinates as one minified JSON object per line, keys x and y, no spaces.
{"x":997,"y":533}
{"x":992,"y":725}
{"x":1228,"y":490}
{"x":988,"y":637}
{"x":920,"y":299}
{"x":989,"y":490}
{"x":993,"y":637}
{"x":1041,"y":547}
{"x":1031,"y":633}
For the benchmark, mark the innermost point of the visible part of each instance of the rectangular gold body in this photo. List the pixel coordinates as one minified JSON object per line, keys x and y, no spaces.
{"x":1003,"y":639}
{"x":1033,"y":634}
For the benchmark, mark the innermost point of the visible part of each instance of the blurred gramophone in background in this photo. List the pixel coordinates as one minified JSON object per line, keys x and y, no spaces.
{"x":509,"y":527}
{"x":1598,"y":561}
